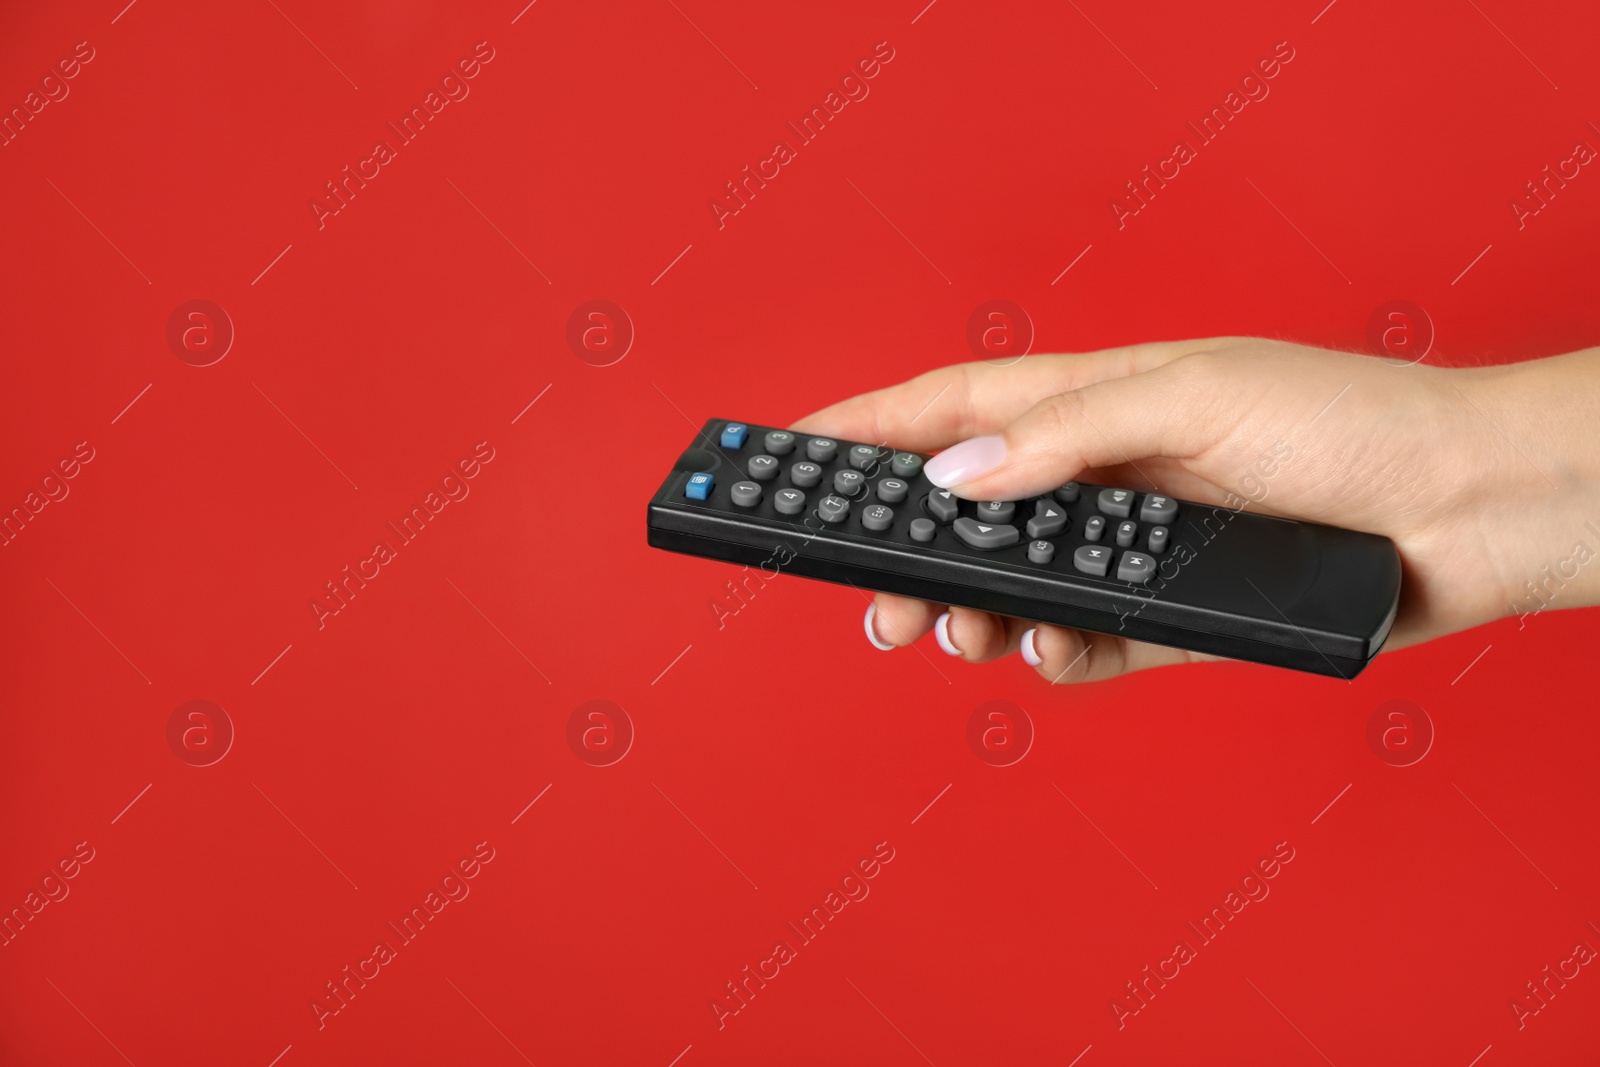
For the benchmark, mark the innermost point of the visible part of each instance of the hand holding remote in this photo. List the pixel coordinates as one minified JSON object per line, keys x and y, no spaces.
{"x":1483,"y":477}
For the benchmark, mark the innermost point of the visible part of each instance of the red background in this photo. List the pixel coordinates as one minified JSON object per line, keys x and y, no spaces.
{"x":771,"y":755}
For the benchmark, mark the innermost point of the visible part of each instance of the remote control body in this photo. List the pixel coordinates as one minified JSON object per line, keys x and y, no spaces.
{"x":1117,"y":561}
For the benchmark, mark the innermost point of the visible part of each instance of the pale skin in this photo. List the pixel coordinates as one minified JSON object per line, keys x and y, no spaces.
{"x":1485,"y":478}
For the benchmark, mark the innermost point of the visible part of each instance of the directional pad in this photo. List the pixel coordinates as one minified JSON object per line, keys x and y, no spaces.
{"x":981,"y":535}
{"x":943,"y":506}
{"x":1049,"y":519}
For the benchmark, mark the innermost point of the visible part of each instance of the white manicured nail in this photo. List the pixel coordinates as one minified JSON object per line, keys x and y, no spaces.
{"x":967,"y":461}
{"x":941,"y":633}
{"x":1030,"y":655}
{"x":881,"y":646}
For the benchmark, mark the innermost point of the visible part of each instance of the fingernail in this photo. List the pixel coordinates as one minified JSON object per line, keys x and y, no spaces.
{"x":1030,"y":655}
{"x":967,"y":461}
{"x":881,"y":646}
{"x":941,"y":633}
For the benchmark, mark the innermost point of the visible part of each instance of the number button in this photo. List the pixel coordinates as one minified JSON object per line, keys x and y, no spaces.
{"x":892,"y":490}
{"x":805,"y":474}
{"x":763,"y":468}
{"x":779,"y":442}
{"x":821,"y":449}
{"x":746,"y":494}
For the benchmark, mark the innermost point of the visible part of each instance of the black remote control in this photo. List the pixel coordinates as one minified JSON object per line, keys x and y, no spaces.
{"x":1114,"y":560}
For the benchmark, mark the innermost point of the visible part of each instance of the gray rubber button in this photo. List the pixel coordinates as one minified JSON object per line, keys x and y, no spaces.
{"x":1126,"y":532}
{"x":789,"y":501}
{"x":922,"y":529}
{"x":1135,"y":568}
{"x":892,"y":490}
{"x":1041,"y":552}
{"x":1049,"y":519}
{"x":1068,"y":494}
{"x":762,"y":468}
{"x":833,"y":509}
{"x":877,"y":518}
{"x":1159,"y":509}
{"x":906,"y":465}
{"x":997,"y":511}
{"x":943,"y":505}
{"x":1094,"y":528}
{"x":1116,"y":502}
{"x":821,"y":449}
{"x":863,"y":456}
{"x":746,"y":494}
{"x":985,"y":537}
{"x":1092,"y":560}
{"x":779,"y":442}
{"x":1158,"y":539}
{"x":849,"y":483}
{"x":805,"y":474}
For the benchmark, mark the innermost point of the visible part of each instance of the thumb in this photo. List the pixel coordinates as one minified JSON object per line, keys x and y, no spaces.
{"x":1170,"y":411}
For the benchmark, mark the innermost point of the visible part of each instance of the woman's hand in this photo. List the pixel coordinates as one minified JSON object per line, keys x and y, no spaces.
{"x":1478,"y":475}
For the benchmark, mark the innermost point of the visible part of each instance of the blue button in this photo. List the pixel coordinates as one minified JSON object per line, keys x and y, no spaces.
{"x":733,"y":435}
{"x":699,"y":487}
